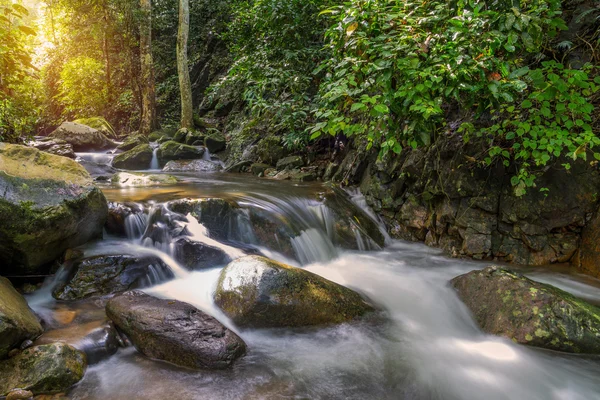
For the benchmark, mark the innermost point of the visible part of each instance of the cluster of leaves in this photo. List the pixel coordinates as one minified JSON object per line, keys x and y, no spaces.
{"x":401,"y":70}
{"x":18,"y":114}
{"x":275,"y":46}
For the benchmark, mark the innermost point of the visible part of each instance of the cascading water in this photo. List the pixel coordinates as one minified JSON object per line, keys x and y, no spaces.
{"x":154,"y":163}
{"x":425,"y":346}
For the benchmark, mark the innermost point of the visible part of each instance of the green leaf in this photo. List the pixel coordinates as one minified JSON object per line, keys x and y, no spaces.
{"x":381,"y":108}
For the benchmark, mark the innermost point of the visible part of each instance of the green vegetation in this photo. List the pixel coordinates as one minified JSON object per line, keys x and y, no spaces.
{"x":512,"y":76}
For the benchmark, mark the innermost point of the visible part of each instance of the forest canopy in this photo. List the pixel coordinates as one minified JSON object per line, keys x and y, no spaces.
{"x":521,"y":78}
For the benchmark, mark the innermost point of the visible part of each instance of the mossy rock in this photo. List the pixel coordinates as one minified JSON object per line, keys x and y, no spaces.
{"x":162,"y":134}
{"x":270,"y":149}
{"x":181,"y":135}
{"x":508,"y":304}
{"x":195,"y":137}
{"x":133,"y":141}
{"x":99,"y":124}
{"x":58,"y":147}
{"x":82,"y":137}
{"x":174,"y":331}
{"x":255,"y":291}
{"x":102,"y":275}
{"x":215,"y":142}
{"x":17,"y":320}
{"x":259,"y":169}
{"x":290,"y":162}
{"x":49,"y":204}
{"x":172,"y":150}
{"x":45,"y":369}
{"x":138,"y":158}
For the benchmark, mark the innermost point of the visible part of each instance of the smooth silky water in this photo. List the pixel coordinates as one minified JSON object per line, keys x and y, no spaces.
{"x":424,"y":346}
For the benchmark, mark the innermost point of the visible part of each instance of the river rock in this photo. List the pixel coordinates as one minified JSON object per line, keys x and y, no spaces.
{"x":191,"y":166}
{"x":17,"y":320}
{"x":100,"y":124}
{"x":174,"y":331}
{"x":172,"y":150}
{"x":508,"y":304}
{"x":196,"y":255}
{"x":103,"y":275}
{"x":255,"y":291}
{"x":215,"y":142}
{"x":117,"y":217}
{"x":49,"y":368}
{"x":55,"y":146}
{"x":217,"y":215}
{"x":133,"y":141}
{"x":290,"y":162}
{"x":82,"y":137}
{"x":140,"y":179}
{"x":97,"y":170}
{"x":48,"y":204}
{"x":136,"y":159}
{"x":97,"y":339}
{"x":181,"y":135}
{"x":259,"y":169}
{"x":19,"y":394}
{"x":195,"y":138}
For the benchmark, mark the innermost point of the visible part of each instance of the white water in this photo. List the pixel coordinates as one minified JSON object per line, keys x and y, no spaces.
{"x":98,"y":158}
{"x":426,"y":346}
{"x":154,"y":163}
{"x":429,"y":349}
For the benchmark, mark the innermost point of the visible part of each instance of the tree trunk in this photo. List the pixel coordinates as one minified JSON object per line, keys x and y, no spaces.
{"x":185,"y":86}
{"x":148,"y":120}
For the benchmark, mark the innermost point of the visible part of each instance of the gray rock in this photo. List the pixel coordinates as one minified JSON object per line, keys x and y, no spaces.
{"x":82,"y":137}
{"x":17,"y":320}
{"x":174,"y":331}
{"x":191,"y":166}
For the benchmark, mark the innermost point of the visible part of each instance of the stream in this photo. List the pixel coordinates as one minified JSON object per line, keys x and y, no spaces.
{"x":424,"y":346}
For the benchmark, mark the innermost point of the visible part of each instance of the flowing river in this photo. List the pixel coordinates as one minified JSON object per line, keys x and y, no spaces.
{"x":424,"y":346}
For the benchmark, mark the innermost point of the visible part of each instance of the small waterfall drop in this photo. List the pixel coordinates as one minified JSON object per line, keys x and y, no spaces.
{"x":154,"y":163}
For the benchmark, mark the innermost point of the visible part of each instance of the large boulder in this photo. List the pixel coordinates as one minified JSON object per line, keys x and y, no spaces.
{"x":82,"y":137}
{"x":191,"y":166}
{"x":174,"y":331}
{"x":103,"y":275}
{"x":55,"y":146}
{"x":99,"y":124}
{"x":49,"y":368}
{"x":255,"y":291}
{"x":135,"y":159}
{"x":172,"y":150}
{"x":508,"y":304}
{"x":133,"y":141}
{"x":48,"y":204}
{"x":17,"y":321}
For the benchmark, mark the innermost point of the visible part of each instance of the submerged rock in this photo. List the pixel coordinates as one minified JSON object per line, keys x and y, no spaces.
{"x":508,"y":304}
{"x":255,"y":291}
{"x":55,"y":146}
{"x":48,"y":204}
{"x":191,"y":166}
{"x":82,"y":137}
{"x":139,"y":180}
{"x":17,"y":320}
{"x":174,"y":331}
{"x":48,"y":368}
{"x":172,"y":150}
{"x":97,"y":339}
{"x":133,"y":141}
{"x":103,"y":275}
{"x":137,"y":158}
{"x":196,"y":255}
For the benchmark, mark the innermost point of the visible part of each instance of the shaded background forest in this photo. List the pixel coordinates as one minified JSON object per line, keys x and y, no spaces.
{"x":521,"y":78}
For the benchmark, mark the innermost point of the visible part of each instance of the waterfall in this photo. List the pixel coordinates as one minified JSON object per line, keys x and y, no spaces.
{"x":154,"y":163}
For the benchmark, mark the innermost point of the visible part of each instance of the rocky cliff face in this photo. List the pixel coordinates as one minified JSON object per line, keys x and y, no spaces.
{"x":443,"y":197}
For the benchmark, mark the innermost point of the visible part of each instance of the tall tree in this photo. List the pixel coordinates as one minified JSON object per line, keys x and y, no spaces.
{"x":148,"y":120}
{"x":185,"y":86}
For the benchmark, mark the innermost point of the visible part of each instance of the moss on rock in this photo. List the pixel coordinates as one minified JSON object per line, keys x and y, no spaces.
{"x":49,"y":368}
{"x":172,"y":150}
{"x":255,"y":291}
{"x":508,"y":304}
{"x":137,"y":158}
